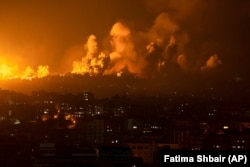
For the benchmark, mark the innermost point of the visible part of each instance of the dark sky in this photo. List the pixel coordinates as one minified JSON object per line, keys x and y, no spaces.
{"x":34,"y":32}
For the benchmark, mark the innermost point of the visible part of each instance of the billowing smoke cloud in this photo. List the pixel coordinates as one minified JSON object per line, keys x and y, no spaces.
{"x":162,"y":29}
{"x":92,"y":47}
{"x":171,"y":47}
{"x":162,"y":49}
{"x":91,"y":63}
{"x":168,"y":50}
{"x":181,"y":35}
{"x":212,"y":27}
{"x":162,"y":54}
{"x":212,"y":62}
{"x":120,"y":37}
{"x":123,"y":56}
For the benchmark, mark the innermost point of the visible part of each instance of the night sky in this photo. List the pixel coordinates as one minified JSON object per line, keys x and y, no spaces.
{"x":211,"y":35}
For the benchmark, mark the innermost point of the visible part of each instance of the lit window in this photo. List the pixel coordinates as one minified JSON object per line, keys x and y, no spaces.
{"x":134,"y":127}
{"x":225,"y":127}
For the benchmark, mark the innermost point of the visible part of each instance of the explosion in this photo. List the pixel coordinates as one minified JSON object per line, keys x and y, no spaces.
{"x":92,"y":63}
{"x":123,"y":57}
{"x":160,"y":50}
{"x":164,"y":54}
{"x":12,"y":72}
{"x":7,"y":71}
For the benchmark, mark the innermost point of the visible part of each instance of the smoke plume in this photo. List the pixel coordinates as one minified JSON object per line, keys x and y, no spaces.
{"x":162,"y":29}
{"x":168,"y":50}
{"x":123,"y":55}
{"x":212,"y":62}
{"x":91,"y":63}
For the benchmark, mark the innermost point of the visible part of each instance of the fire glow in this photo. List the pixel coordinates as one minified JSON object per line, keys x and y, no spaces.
{"x":8,"y":72}
{"x":163,"y":52}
